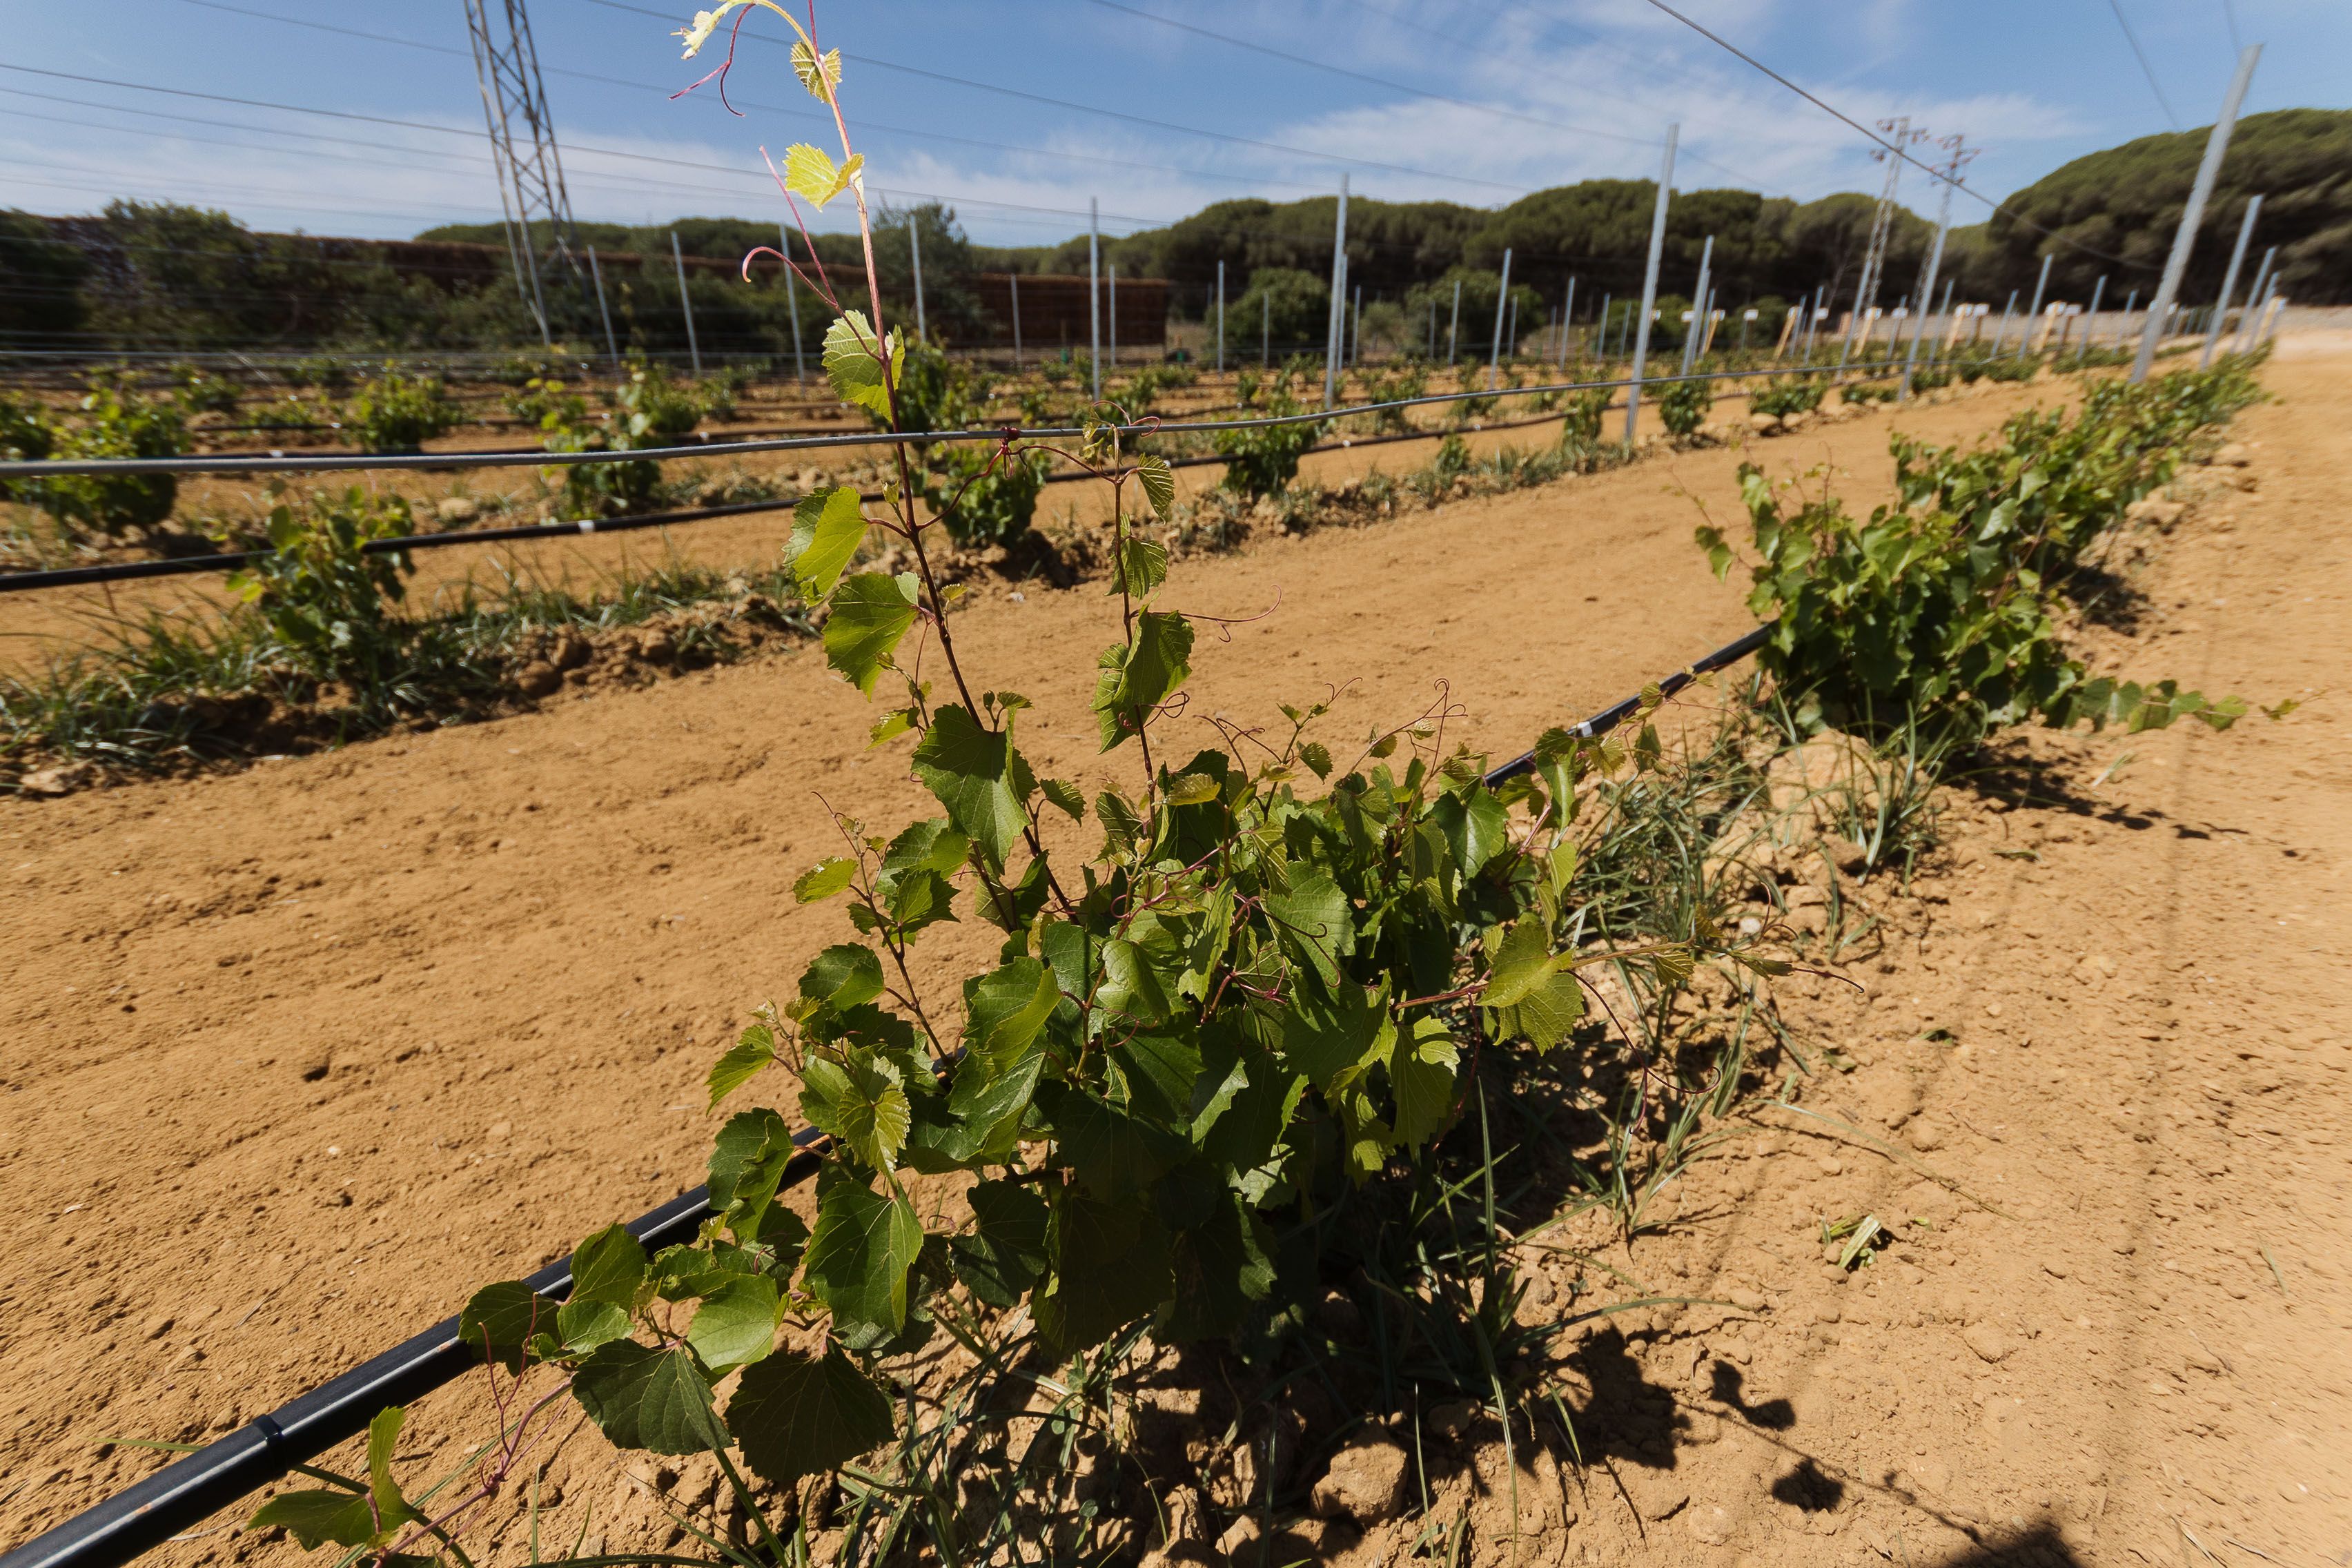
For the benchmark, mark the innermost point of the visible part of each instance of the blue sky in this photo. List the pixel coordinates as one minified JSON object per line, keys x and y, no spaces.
{"x":1476,"y":100}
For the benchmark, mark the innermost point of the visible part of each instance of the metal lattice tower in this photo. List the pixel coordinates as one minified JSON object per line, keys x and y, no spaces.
{"x":522,"y":142}
{"x":1901,"y":137}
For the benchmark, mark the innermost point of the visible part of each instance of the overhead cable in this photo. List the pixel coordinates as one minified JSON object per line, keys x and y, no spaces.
{"x":1315,"y":154}
{"x":2012,"y":214}
{"x":2146,"y":69}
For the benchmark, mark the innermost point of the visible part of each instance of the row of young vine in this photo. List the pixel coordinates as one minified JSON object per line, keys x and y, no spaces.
{"x":1258,"y":988}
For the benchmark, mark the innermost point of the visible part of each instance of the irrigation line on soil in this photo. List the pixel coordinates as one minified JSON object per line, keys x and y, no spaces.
{"x":126,"y":570}
{"x":282,"y":463}
{"x":197,"y":1485}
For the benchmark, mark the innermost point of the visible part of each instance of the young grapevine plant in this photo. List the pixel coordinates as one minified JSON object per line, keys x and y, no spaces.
{"x":1272,"y":974}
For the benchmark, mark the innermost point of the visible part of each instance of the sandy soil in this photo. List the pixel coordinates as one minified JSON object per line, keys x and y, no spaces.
{"x":294,"y":1058}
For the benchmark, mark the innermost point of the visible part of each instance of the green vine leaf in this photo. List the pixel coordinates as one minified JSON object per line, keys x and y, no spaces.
{"x":871,"y":613}
{"x":844,"y":975}
{"x":639,"y":1397}
{"x":820,"y":74}
{"x":853,"y":362}
{"x":858,"y":1258}
{"x":824,"y":879}
{"x":1133,"y":679}
{"x":795,"y":1416}
{"x":828,"y":528}
{"x":752,"y":1051}
{"x":736,"y":1324}
{"x":1142,"y":566}
{"x":860,"y":1100}
{"x":1160,"y":489}
{"x":979,"y":775}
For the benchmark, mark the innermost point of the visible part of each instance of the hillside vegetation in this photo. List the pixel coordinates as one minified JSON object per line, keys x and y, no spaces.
{"x":151,"y":275}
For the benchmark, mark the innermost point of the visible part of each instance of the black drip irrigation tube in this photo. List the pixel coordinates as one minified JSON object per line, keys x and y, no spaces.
{"x":285,"y":463}
{"x":188,"y":1489}
{"x":123,"y":572}
{"x":188,"y":565}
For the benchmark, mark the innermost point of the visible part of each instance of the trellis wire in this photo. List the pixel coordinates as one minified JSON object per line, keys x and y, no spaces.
{"x":343,"y":462}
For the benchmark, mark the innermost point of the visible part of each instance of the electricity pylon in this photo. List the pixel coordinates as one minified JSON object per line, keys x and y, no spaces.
{"x":1900,"y":139}
{"x":522,"y":145}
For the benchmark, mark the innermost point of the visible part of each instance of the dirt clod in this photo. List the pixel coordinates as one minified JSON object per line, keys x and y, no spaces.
{"x":1366,"y":1481}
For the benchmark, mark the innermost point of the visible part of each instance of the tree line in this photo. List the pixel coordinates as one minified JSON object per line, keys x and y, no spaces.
{"x":147,"y":275}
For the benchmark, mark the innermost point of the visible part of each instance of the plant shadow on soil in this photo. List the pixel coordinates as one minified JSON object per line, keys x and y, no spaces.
{"x":1382,"y":1323}
{"x":2041,"y":1546}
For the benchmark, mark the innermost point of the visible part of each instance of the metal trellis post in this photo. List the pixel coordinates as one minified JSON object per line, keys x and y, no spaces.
{"x":1650,"y":286}
{"x":1094,"y":290}
{"x":1928,"y":283}
{"x":2261,"y":278}
{"x":596,"y":273}
{"x":1567,"y":322}
{"x":1220,"y":318}
{"x":685,"y":304}
{"x":914,"y":254}
{"x":2217,"y":143}
{"x":2230,"y":280}
{"x":2042,"y":284}
{"x":1494,"y":357}
{"x":1453,"y":326}
{"x":1698,"y":306}
{"x":2091,"y":321}
{"x":792,"y":303}
{"x":1335,"y":320}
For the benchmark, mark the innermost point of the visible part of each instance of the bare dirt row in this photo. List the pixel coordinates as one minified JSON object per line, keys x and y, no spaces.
{"x":296,"y":1056}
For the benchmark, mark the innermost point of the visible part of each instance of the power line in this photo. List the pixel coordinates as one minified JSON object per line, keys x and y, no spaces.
{"x":2014,"y":217}
{"x":1315,"y":154}
{"x":1451,"y":41}
{"x":949,"y":137}
{"x":472,"y":135}
{"x":1383,"y":82}
{"x":587,"y":148}
{"x":2147,"y":70}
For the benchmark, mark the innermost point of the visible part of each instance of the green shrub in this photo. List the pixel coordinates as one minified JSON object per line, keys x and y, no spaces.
{"x":1683,"y":406}
{"x":200,"y":394}
{"x":325,"y":372}
{"x":935,"y":393}
{"x":1452,"y":458}
{"x":1941,"y":612}
{"x":654,"y":411}
{"x":329,"y":601}
{"x":1262,"y":459}
{"x":647,"y":410}
{"x":1854,"y":393}
{"x":590,"y":489}
{"x":26,"y":436}
{"x":1581,"y":424}
{"x":1399,"y":382}
{"x":984,"y":500}
{"x":1789,"y":395}
{"x":1930,"y":378}
{"x":116,"y":423}
{"x":2050,"y":486}
{"x":396,"y":412}
{"x":1259,"y":997}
